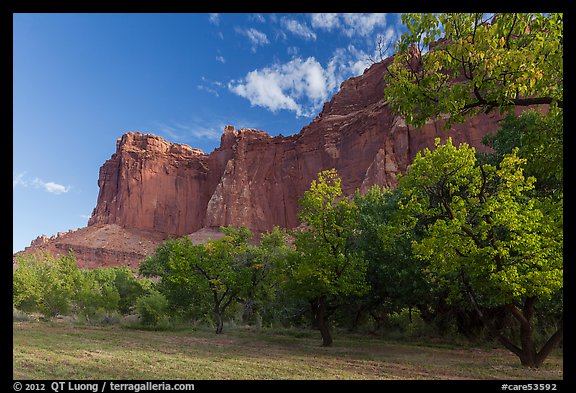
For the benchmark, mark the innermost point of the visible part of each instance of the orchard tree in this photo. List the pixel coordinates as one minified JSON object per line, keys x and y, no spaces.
{"x":96,"y":292}
{"x":42,"y":282}
{"x":461,"y":64}
{"x":263,"y":263}
{"x":326,"y":268}
{"x":393,"y":272}
{"x":219,"y":273}
{"x":487,"y":238}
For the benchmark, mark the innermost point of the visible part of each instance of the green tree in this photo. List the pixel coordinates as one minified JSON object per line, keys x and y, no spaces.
{"x":326,"y":268}
{"x":44,"y":283}
{"x":152,"y":308}
{"x":185,"y":300}
{"x":482,"y":62}
{"x":394,"y":274}
{"x":263,"y":262}
{"x":96,"y":292}
{"x":487,"y":237}
{"x":220,"y":272}
{"x":539,"y":140}
{"x":128,"y":287}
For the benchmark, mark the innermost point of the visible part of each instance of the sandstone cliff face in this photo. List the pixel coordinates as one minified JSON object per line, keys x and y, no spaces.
{"x":254,"y":179}
{"x":151,"y":189}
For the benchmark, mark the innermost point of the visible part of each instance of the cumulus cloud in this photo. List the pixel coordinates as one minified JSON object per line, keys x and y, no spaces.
{"x":50,"y":186}
{"x":256,"y":37}
{"x":326,"y":21}
{"x":298,"y":29}
{"x":302,"y":86}
{"x":350,"y":24}
{"x":283,"y":86}
{"x":362,"y":24}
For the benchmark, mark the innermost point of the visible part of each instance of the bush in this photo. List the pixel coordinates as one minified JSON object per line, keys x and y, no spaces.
{"x":44,"y":283}
{"x":129,"y":289}
{"x":152,"y":309}
{"x":408,"y":325}
{"x":96,"y":294}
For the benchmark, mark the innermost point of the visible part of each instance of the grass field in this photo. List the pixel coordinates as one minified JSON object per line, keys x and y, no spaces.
{"x":67,"y":351}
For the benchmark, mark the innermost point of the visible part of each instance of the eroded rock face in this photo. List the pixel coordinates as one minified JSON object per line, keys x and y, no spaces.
{"x":253,"y":179}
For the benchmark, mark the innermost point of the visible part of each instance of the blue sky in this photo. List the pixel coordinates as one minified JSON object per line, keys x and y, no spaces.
{"x":82,"y":80}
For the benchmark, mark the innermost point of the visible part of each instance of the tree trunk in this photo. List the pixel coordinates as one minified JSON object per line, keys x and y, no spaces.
{"x":549,"y":346}
{"x":527,"y":352}
{"x":248,"y":311}
{"x":219,"y":319}
{"x":528,"y":356}
{"x":321,"y":318}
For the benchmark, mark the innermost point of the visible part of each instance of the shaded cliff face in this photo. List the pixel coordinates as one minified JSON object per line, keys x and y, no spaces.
{"x":254,"y":179}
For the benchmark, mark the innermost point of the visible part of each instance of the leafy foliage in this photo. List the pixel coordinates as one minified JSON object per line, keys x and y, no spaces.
{"x":326,"y":267}
{"x":486,"y":237}
{"x":152,"y":309}
{"x":539,"y":140}
{"x":55,"y":286}
{"x":215,"y":275}
{"x":327,"y":264}
{"x":498,"y":60}
{"x":44,"y":283}
{"x":96,"y":291}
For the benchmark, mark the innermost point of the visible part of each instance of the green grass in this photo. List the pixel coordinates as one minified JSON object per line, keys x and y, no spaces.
{"x":67,"y":351}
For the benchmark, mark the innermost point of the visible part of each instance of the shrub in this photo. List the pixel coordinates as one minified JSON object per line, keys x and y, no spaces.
{"x":96,"y":293}
{"x":44,"y":283}
{"x":152,"y":309}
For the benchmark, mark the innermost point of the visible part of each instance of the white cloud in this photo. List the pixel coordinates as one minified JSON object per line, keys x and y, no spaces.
{"x":211,"y":87}
{"x":349,"y":61}
{"x":292,"y":50}
{"x":302,"y":85}
{"x":298,"y":29}
{"x":256,"y":37}
{"x":326,"y":21}
{"x":221,"y":59}
{"x":214,"y":19}
{"x":350,"y":24}
{"x":208,"y":89}
{"x":299,"y":85}
{"x":362,"y":24}
{"x":18,"y":180}
{"x":50,"y":186}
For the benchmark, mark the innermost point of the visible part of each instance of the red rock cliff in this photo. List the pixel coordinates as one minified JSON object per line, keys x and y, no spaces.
{"x":254,"y":179}
{"x":151,"y":189}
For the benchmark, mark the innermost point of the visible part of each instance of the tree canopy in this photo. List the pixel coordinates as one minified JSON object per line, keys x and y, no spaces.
{"x":461,"y":64}
{"x":486,"y":237}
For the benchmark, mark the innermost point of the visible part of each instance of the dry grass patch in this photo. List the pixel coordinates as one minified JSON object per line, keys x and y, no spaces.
{"x":66,"y":351}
